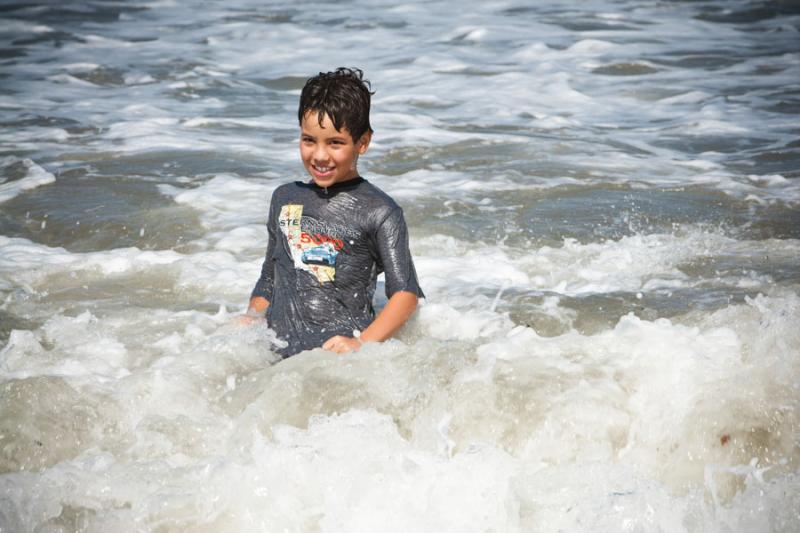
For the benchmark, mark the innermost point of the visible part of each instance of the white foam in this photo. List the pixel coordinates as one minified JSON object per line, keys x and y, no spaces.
{"x":102,"y":357}
{"x":35,"y":176}
{"x":102,"y":42}
{"x":614,"y":407}
{"x":218,"y":274}
{"x":419,"y":183}
{"x":227,"y":201}
{"x":591,"y":47}
{"x":442,"y":321}
{"x":631,"y":264}
{"x":138,"y":79}
{"x":124,"y":370}
{"x":691,"y":97}
{"x":251,"y":238}
{"x":70,"y":80}
{"x":257,"y":123}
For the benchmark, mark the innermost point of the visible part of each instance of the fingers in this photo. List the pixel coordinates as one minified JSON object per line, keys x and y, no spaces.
{"x":341,"y":344}
{"x":329,"y":344}
{"x":337,"y":344}
{"x":246,"y":320}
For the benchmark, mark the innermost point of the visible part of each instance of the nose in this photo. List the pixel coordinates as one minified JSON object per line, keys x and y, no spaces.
{"x":320,"y":154}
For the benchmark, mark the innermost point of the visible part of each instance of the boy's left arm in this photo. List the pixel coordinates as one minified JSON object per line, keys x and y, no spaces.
{"x":397,"y":311}
{"x":401,"y":283}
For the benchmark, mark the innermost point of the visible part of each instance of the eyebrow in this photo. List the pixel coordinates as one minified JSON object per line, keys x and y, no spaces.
{"x":339,"y":137}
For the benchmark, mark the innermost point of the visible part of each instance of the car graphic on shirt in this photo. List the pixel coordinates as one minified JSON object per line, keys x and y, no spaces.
{"x":324,"y":254}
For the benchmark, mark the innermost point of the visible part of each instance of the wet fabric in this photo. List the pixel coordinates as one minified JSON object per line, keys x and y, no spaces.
{"x":325,"y":250}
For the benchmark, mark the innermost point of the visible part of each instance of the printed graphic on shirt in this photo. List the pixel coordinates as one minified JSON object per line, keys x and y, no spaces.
{"x":314,"y":245}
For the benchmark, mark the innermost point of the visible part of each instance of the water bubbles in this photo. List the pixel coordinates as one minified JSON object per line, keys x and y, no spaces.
{"x":536,"y":390}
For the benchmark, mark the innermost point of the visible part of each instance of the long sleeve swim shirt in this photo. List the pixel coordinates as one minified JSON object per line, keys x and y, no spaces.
{"x":325,"y":250}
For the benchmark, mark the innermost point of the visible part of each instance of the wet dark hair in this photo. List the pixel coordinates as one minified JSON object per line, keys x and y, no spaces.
{"x":343,"y":95}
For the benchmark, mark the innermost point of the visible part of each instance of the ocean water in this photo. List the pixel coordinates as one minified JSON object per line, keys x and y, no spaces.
{"x":604,"y":206}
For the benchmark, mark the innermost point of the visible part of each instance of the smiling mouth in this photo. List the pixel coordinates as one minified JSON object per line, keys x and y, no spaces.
{"x":321,"y":169}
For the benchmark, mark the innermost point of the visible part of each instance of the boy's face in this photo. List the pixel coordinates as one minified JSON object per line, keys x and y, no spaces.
{"x":329,"y":156}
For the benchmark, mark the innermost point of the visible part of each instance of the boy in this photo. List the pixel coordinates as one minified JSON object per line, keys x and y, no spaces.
{"x":329,"y":238}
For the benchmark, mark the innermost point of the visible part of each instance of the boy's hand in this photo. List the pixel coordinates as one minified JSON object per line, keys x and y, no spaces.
{"x":247,"y":320}
{"x":341,"y":344}
{"x":256,"y":311}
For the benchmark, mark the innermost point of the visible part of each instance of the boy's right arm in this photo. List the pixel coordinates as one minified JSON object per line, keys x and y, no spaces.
{"x":258,"y":304}
{"x":259,"y":298}
{"x":256,"y":310}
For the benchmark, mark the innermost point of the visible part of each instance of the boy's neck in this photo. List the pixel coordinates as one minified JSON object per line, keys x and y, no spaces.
{"x":339,"y":184}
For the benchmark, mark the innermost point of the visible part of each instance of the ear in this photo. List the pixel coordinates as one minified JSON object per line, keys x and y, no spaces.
{"x":363,"y":143}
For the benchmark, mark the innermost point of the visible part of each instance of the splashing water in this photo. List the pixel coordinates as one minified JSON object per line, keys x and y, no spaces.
{"x":603,"y":205}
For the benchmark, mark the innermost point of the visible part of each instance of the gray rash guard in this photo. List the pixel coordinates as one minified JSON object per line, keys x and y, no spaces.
{"x":326,"y":248}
